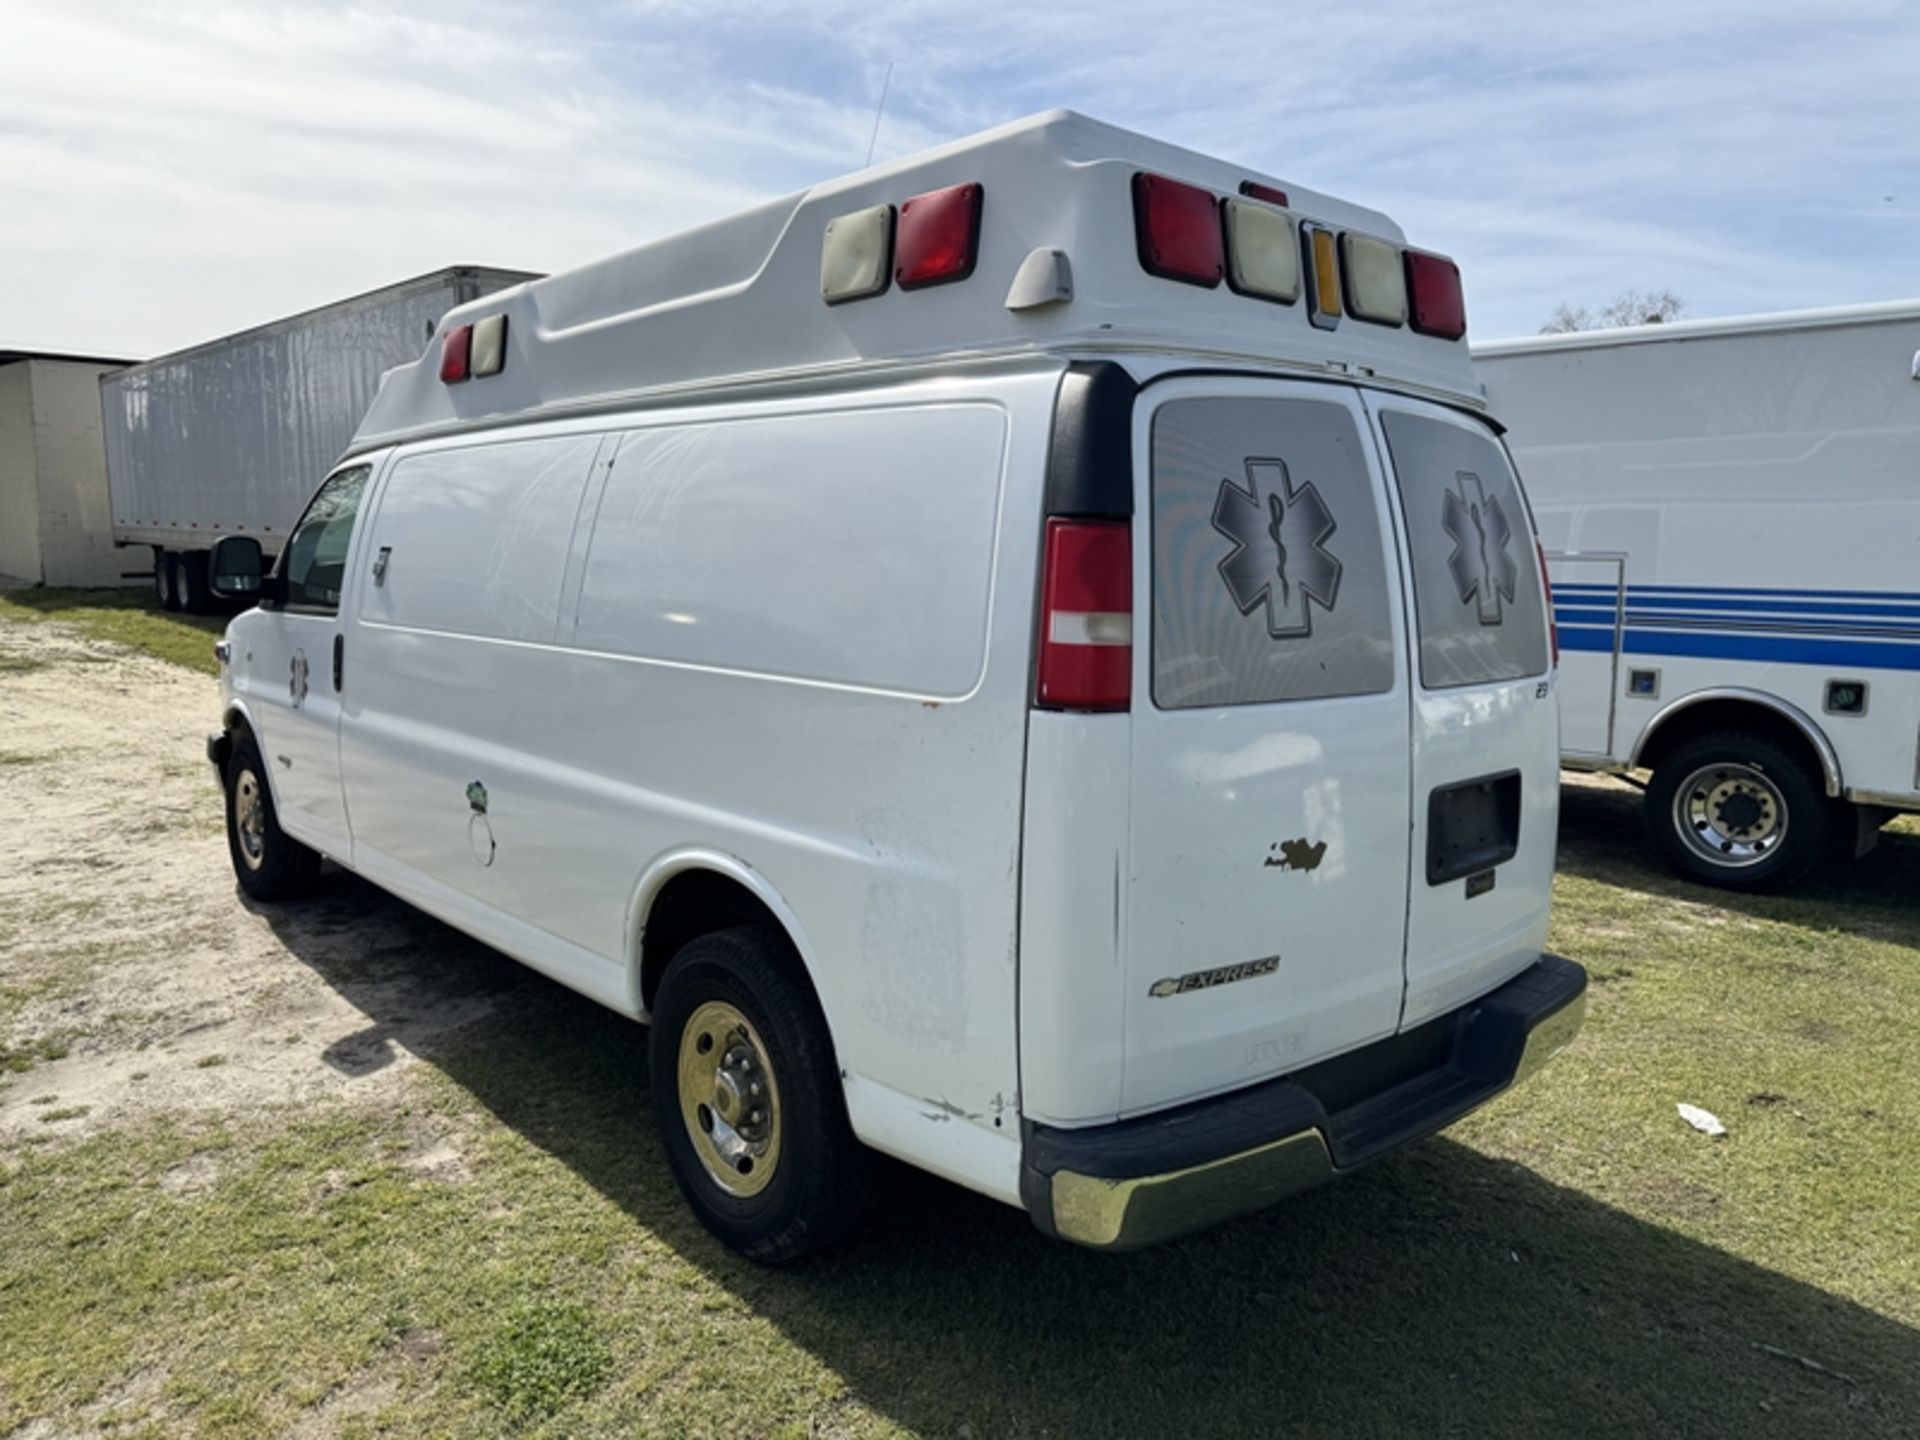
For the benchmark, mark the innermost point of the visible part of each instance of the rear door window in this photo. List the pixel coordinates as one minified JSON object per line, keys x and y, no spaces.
{"x":1476,"y":594}
{"x":1270,"y":578}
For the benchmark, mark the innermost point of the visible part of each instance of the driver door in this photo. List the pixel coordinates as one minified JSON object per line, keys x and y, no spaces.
{"x":297,"y":667}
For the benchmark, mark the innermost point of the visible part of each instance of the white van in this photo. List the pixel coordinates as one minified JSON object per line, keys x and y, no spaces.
{"x":1029,"y":659}
{"x":1730,"y":510}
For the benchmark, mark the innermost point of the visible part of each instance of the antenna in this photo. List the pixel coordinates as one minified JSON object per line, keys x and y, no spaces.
{"x":878,"y":111}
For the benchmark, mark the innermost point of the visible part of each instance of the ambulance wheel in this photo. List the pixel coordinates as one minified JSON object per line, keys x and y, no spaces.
{"x":268,"y":863}
{"x":746,"y":1092}
{"x":165,"y":562}
{"x":1738,"y":810}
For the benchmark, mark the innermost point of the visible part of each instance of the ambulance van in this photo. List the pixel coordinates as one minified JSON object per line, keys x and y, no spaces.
{"x":1031,"y":659}
{"x":1732,"y":524}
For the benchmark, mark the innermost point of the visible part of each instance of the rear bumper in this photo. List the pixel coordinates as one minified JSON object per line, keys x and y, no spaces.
{"x":1141,"y":1181}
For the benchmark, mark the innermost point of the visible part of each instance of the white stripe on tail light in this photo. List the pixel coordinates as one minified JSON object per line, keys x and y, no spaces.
{"x":1086,"y":631}
{"x":1090,"y":627}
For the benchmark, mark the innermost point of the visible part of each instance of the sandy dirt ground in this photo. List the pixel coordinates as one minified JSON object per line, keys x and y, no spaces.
{"x":133,"y":975}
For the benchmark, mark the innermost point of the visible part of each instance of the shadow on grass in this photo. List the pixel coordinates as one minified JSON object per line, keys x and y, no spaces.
{"x":1604,"y":838}
{"x":1439,"y":1292}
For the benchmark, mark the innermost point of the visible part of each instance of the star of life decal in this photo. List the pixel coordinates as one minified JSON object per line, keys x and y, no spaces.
{"x":1279,"y":558}
{"x":1484,"y":570}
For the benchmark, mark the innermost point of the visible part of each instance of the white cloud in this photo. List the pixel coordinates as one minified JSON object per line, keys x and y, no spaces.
{"x":171,"y":172}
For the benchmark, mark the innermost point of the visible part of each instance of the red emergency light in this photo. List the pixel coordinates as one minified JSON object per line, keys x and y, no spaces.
{"x":937,"y":237}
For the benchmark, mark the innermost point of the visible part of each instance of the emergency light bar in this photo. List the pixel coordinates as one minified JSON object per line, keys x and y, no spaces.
{"x":1182,"y":232}
{"x":471,"y":352}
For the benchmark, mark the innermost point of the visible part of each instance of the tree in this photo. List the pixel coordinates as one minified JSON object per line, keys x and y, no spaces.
{"x":1629,"y":307}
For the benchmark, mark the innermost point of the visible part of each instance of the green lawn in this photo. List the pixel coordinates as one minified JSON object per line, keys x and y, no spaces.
{"x":504,"y":1253}
{"x":127,"y":616}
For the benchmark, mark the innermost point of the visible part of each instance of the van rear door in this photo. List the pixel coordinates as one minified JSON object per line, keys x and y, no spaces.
{"x":1486,"y":764}
{"x":1271,"y":741}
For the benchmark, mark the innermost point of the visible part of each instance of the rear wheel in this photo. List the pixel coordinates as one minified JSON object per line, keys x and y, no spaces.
{"x":165,"y":586}
{"x":269,"y":863}
{"x":192,"y":584}
{"x":747,"y":1096}
{"x":1738,"y":810}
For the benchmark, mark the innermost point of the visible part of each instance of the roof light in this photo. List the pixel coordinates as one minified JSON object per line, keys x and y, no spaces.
{"x":1323,"y":276}
{"x":1254,"y":190}
{"x":854,"y":254}
{"x":1177,"y":228}
{"x":1436,"y":306}
{"x":1376,"y":280}
{"x":1086,"y":616}
{"x":489,"y":349}
{"x":455,"y":352}
{"x":939,"y":236}
{"x":1263,"y":251}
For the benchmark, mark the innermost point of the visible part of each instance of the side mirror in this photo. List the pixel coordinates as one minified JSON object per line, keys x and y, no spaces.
{"x":235,"y":568}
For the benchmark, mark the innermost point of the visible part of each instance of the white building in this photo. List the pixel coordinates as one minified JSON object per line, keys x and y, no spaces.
{"x":54,"y":523}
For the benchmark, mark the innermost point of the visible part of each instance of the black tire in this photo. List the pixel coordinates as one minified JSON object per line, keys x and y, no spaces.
{"x":282,"y":868}
{"x":821,"y":1178}
{"x":195,"y":597}
{"x":166,"y":585}
{"x":1754,"y":788}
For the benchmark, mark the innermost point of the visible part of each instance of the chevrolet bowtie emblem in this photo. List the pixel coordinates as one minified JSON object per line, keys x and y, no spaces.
{"x":1207,"y":979}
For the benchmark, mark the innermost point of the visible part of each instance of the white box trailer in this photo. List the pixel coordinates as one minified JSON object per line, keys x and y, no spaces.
{"x":1731,"y":510}
{"x":226,"y":437}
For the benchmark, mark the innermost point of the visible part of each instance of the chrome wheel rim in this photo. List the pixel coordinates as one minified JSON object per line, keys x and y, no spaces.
{"x":250,"y":819}
{"x":1730,"y":815}
{"x":729,"y":1099}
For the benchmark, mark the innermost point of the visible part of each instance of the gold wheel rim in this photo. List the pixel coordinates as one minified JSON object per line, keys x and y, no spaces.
{"x":729,"y":1099}
{"x":250,"y":820}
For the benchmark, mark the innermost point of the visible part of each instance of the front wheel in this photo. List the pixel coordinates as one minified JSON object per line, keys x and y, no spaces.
{"x":748,"y":1100}
{"x":268,"y":863}
{"x":1739,"y":811}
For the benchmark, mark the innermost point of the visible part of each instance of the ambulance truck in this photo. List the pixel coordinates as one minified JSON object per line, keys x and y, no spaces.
{"x":1731,"y":511}
{"x":1030,"y":659}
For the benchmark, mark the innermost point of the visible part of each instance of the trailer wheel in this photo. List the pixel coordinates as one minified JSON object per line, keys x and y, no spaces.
{"x":1737,"y":810}
{"x":195,"y":597}
{"x":268,"y":863}
{"x":747,"y":1096}
{"x":165,"y":586}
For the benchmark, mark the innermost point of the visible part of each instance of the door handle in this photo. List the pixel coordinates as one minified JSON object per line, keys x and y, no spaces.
{"x":339,"y":659}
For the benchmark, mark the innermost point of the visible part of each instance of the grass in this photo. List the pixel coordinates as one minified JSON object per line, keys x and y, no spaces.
{"x":128,"y":616}
{"x":1572,"y":1260}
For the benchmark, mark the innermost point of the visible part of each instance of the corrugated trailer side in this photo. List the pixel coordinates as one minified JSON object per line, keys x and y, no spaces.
{"x":232,"y":436}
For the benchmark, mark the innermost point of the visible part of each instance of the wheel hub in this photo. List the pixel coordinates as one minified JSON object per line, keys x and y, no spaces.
{"x":1731,"y":815}
{"x":729,"y":1099}
{"x":250,"y":819}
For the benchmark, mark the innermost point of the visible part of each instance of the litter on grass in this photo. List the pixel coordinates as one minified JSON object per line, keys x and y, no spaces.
{"x":1705,"y":1121}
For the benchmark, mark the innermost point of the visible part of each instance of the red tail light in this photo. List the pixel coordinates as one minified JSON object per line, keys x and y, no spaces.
{"x":1254,"y":190}
{"x":1435,"y":305}
{"x":937,"y":236}
{"x":1086,"y":616}
{"x":1546,"y":584}
{"x":456,"y":351}
{"x":1178,"y":230}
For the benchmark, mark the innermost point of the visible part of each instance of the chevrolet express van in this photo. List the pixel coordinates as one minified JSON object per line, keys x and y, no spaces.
{"x":1029,"y":659}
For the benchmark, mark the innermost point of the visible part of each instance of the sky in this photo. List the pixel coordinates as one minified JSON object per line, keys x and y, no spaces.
{"x":171,"y":172}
